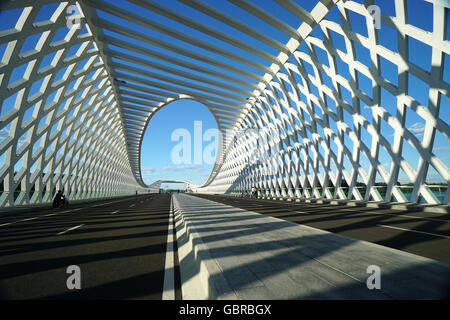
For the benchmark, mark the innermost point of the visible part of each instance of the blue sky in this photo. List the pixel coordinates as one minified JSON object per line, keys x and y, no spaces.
{"x":156,"y":160}
{"x":157,"y":145}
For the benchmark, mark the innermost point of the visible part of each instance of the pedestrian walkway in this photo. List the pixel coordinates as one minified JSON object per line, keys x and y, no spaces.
{"x":230,"y":253}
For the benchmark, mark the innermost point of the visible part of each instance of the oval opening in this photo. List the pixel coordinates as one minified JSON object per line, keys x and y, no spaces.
{"x":179,"y":144}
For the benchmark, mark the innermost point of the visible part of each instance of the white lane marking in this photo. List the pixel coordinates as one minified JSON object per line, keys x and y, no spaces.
{"x":431,"y":234}
{"x":6,"y":224}
{"x":169,"y":274}
{"x":389,"y":214}
{"x":115,"y":211}
{"x":13,"y":222}
{"x":28,"y":219}
{"x":50,"y":214}
{"x":23,"y":220}
{"x":53,"y":214}
{"x":73,"y":228}
{"x":408,"y":216}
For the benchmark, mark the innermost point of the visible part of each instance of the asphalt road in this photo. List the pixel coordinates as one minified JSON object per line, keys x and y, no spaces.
{"x":422,"y":233}
{"x":119,"y":246}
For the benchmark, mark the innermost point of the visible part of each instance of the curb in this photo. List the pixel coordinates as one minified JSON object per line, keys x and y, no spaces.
{"x":201,"y":277}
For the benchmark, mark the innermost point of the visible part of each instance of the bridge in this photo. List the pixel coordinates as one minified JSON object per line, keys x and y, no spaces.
{"x":156,"y":186}
{"x":335,"y":110}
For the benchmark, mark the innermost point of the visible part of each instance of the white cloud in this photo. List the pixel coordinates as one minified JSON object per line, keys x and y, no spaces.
{"x":441,"y":149}
{"x":4,"y":133}
{"x":387,"y":165}
{"x":148,"y":170}
{"x":417,"y":128}
{"x":195,"y":167}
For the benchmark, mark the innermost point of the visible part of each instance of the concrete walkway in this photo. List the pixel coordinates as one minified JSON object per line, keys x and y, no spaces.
{"x":230,"y":253}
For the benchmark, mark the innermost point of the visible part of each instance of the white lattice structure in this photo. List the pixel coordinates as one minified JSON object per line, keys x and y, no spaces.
{"x":295,"y":153}
{"x":67,"y":133}
{"x":76,"y":105}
